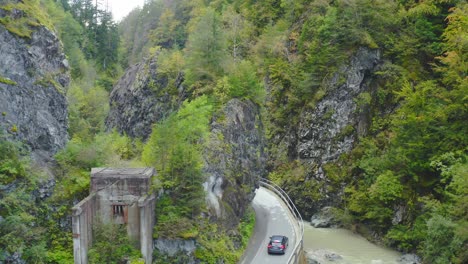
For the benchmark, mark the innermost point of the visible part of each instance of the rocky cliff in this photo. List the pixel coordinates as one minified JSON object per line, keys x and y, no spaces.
{"x":332,"y":127}
{"x":33,"y":110}
{"x":33,"y":80}
{"x":141,"y":98}
{"x":234,"y":160}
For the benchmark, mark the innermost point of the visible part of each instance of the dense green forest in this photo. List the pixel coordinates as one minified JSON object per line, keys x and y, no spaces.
{"x":281,"y":54}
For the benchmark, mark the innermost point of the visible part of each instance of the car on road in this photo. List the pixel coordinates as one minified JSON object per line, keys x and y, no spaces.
{"x":277,"y":244}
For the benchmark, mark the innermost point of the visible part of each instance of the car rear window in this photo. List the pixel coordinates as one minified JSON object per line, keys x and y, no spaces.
{"x":276,"y":243}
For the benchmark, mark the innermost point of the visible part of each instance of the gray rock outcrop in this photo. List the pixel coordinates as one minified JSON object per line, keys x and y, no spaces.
{"x":141,"y":98}
{"x":172,"y":247}
{"x":14,"y":258}
{"x":332,"y":126}
{"x":330,"y":129}
{"x":327,"y":131}
{"x":409,"y":259}
{"x":324,"y":218}
{"x":175,"y":251}
{"x":33,"y":81}
{"x":234,"y":160}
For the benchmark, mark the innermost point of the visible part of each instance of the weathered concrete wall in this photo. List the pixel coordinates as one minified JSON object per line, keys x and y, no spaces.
{"x":82,"y":218}
{"x":115,"y":195}
{"x":135,"y":181}
{"x":120,"y":196}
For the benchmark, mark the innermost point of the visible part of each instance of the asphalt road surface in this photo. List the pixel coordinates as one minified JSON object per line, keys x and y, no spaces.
{"x":271,"y":219}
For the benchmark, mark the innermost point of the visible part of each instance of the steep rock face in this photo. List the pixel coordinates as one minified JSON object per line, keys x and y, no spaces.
{"x":33,"y":79}
{"x":328,"y":130}
{"x":333,"y":125}
{"x":234,"y":160}
{"x":141,"y":98}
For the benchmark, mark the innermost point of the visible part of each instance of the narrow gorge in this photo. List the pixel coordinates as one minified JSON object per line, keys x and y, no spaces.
{"x":356,"y":108}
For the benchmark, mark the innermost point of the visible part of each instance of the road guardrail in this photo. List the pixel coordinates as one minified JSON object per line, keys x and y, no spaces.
{"x":295,"y":257}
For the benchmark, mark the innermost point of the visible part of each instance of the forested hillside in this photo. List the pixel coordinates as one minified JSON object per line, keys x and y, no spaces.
{"x":404,"y":181}
{"x":363,"y":105}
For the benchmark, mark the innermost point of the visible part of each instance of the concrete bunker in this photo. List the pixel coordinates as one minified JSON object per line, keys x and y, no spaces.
{"x":121,"y":196}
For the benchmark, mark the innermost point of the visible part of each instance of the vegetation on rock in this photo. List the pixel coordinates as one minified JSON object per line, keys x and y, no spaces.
{"x":23,"y":16}
{"x":7,"y":81}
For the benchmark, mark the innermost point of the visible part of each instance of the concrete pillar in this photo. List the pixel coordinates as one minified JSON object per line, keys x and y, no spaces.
{"x":146,"y":205}
{"x":76,"y":235}
{"x":80,"y":226}
{"x":82,"y":220}
{"x":134,"y":222}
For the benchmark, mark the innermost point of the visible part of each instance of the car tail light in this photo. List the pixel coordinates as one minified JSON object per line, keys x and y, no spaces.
{"x":282,"y":246}
{"x":269,"y":246}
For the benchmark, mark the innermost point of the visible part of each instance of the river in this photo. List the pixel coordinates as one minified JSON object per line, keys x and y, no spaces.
{"x":353,"y":248}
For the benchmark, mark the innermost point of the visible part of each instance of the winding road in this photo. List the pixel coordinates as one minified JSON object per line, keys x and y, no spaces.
{"x":272,"y":218}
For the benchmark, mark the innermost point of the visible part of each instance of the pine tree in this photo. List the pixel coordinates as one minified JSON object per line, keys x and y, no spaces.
{"x":206,"y":50}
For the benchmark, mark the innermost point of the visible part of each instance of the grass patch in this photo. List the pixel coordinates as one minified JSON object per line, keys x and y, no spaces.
{"x":345,"y":132}
{"x":48,"y":80}
{"x":7,"y":81}
{"x":17,"y":27}
{"x":32,"y":17}
{"x":246,"y":227}
{"x":14,"y":129}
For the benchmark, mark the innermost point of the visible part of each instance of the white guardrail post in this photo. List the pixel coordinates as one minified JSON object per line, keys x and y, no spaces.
{"x":295,"y":257}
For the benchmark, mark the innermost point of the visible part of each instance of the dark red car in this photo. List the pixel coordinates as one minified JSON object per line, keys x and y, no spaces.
{"x":278,"y":244}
